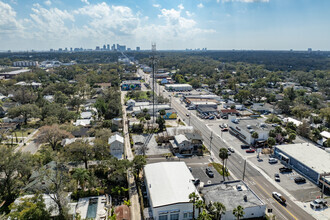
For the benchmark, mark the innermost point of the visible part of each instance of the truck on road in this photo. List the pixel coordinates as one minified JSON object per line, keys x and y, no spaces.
{"x":279,"y":197}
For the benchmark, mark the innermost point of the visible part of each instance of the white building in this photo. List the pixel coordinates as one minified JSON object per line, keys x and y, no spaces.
{"x":233,"y":194}
{"x":181,"y":144}
{"x":25,"y":63}
{"x":168,"y":187}
{"x":116,"y":143}
{"x":178,"y":87}
{"x":139,"y":109}
{"x":244,"y":128}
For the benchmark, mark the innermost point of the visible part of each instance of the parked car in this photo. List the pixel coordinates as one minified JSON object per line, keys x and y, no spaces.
{"x":318,"y":203}
{"x":196,"y":182}
{"x":228,"y":152}
{"x":187,"y":115}
{"x":245,"y":146}
{"x":222,"y":126}
{"x":285,"y":170}
{"x":279,"y":197}
{"x":239,"y":187}
{"x":231,"y":149}
{"x":209,"y":172}
{"x":299,"y":179}
{"x":277,"y":177}
{"x":211,"y":117}
{"x":272,"y":160}
{"x":250,"y":150}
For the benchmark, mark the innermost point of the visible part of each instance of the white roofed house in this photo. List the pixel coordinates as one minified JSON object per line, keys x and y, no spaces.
{"x":169,"y":185}
{"x":116,"y":143}
{"x":182,"y":145}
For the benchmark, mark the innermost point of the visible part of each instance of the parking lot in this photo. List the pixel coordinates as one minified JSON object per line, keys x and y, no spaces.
{"x":198,"y":171}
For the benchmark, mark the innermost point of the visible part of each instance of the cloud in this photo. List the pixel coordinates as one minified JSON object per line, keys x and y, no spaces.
{"x":85,"y":1}
{"x":200,"y":5}
{"x":8,"y":22}
{"x":245,"y":1}
{"x":156,"y":5}
{"x":189,"y":14}
{"x":181,"y":7}
{"x":48,"y":2}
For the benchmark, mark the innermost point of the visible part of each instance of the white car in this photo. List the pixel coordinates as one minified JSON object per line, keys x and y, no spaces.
{"x":272,"y":160}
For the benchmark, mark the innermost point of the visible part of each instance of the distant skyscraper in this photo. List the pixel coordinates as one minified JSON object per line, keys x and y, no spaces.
{"x":108,"y":47}
{"x":137,"y":48}
{"x":309,"y":50}
{"x":113,"y":47}
{"x":71,"y":49}
{"x":97,"y":48}
{"x":128,"y":49}
{"x":121,"y":47}
{"x":104,"y":47}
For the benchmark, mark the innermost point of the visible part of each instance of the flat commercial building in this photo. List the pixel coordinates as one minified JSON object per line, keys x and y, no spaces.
{"x":168,"y":187}
{"x":178,"y":87}
{"x":131,"y":85}
{"x":233,"y":194}
{"x":306,"y":158}
{"x":12,"y":74}
{"x":244,"y":128}
{"x":139,"y":109}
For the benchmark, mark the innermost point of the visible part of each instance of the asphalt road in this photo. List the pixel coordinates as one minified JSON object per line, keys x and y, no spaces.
{"x":256,"y":181}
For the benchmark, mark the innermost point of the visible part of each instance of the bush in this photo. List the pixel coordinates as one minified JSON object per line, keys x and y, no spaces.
{"x":76,"y":195}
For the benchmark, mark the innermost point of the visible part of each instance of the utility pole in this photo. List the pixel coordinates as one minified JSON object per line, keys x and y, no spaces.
{"x":153,"y":59}
{"x":211,"y":137}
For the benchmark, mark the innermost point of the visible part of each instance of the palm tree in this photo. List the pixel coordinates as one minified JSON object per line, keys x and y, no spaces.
{"x":204,"y":215}
{"x":220,"y":209}
{"x":238,"y":212}
{"x":200,"y":204}
{"x":193,"y":198}
{"x":255,"y":135}
{"x":81,"y":175}
{"x":223,"y":154}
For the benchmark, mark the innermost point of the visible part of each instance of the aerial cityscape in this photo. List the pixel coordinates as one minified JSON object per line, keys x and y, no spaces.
{"x":154,"y":110}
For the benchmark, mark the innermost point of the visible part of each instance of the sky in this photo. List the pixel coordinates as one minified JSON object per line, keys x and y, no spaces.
{"x":172,"y":24}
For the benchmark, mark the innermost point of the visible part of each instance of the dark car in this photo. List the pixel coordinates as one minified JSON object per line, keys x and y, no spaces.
{"x":196,"y":182}
{"x":299,"y":179}
{"x":245,"y":146}
{"x":209,"y":172}
{"x":285,"y":169}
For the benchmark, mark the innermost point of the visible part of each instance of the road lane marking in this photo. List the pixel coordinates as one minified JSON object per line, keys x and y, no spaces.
{"x":276,"y":201}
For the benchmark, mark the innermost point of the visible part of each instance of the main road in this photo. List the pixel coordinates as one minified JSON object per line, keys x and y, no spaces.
{"x":255,"y":180}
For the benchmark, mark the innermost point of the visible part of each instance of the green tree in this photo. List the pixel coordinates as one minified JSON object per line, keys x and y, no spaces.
{"x":26,"y":111}
{"x":139,"y":162}
{"x":238,"y":212}
{"x":81,"y":176}
{"x":292,"y":137}
{"x":223,"y":154}
{"x":204,"y":215}
{"x":80,"y":151}
{"x":216,"y":209}
{"x":200,"y":205}
{"x":161,"y":123}
{"x":255,"y":135}
{"x":193,"y":198}
{"x":75,"y":103}
{"x":304,"y":129}
{"x":271,"y":142}
{"x":290,"y":93}
{"x":325,"y":114}
{"x":29,"y":208}
{"x":301,"y":111}
{"x":15,"y":169}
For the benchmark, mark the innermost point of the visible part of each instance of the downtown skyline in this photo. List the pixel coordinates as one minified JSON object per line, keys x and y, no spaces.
{"x":174,"y":25}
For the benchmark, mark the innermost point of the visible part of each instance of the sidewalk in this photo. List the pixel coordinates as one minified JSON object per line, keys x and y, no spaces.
{"x":133,"y":193}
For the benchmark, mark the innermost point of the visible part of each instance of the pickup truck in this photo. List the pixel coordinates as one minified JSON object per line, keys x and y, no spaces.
{"x":245,"y":146}
{"x":285,"y":170}
{"x":279,"y":197}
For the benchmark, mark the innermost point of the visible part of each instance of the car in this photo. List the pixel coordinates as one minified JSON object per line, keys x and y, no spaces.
{"x":318,"y":203}
{"x":250,"y":150}
{"x":187,"y":115}
{"x":228,"y":152}
{"x":279,"y":197}
{"x":272,"y":160}
{"x":239,"y":188}
{"x":209,"y":172}
{"x":196,"y":182}
{"x":299,"y":179}
{"x":211,"y":117}
{"x":231,"y":149}
{"x":224,"y":129}
{"x":224,"y":117}
{"x":277,"y":177}
{"x":245,"y":146}
{"x":285,"y":170}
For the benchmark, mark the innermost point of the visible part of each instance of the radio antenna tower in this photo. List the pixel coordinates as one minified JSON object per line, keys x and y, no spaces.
{"x":153,"y":60}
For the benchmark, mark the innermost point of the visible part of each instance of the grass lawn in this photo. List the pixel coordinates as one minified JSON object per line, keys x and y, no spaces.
{"x":20,"y":133}
{"x":219,"y":168}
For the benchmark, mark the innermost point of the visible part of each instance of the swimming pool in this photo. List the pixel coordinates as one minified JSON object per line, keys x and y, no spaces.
{"x":92,"y":208}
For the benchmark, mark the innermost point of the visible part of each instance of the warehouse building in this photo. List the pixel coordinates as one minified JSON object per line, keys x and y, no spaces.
{"x":305,"y":158}
{"x":168,"y":187}
{"x":178,"y":87}
{"x":232,"y":194}
{"x":158,"y":107}
{"x":244,"y":128}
